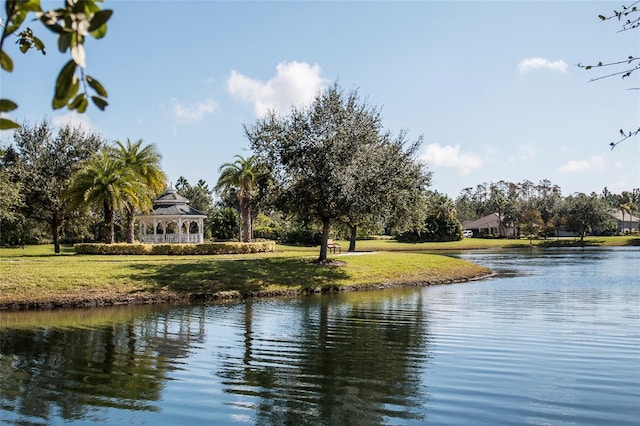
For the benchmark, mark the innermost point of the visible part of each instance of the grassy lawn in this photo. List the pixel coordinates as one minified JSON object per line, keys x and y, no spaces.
{"x":481,"y":243}
{"x":36,"y":277}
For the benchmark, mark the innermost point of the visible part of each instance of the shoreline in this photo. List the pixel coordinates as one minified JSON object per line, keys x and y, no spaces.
{"x":36,"y":279}
{"x":83,"y":301}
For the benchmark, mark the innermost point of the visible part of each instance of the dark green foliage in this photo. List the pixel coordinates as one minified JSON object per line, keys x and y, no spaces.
{"x":105,"y":182}
{"x":434,"y":229}
{"x":199,"y":195}
{"x":243,"y":179}
{"x":330,"y":162}
{"x":144,"y":162}
{"x":268,"y":233}
{"x":586,"y":214}
{"x":41,"y":162}
{"x":302,"y":237}
{"x":440,"y":224}
{"x":224,"y":223}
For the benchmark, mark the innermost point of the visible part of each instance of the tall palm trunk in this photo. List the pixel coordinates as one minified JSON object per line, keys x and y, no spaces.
{"x":130,"y":223}
{"x":246,"y":231}
{"x":109,"y":222}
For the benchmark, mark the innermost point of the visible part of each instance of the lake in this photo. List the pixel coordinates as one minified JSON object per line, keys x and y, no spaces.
{"x":554,"y":338}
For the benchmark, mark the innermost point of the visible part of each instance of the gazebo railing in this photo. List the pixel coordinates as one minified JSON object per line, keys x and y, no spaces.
{"x":171,"y":238}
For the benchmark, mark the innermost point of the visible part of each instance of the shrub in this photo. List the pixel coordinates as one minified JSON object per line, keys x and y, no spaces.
{"x":176,"y":249}
{"x":433,"y":229}
{"x":303,"y":237}
{"x":268,"y":233}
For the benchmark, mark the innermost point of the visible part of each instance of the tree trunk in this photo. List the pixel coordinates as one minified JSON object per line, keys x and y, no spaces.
{"x":245,"y":226}
{"x":352,"y":240}
{"x":56,"y":223}
{"x":131,"y":225}
{"x":109,"y":221}
{"x":325,"y":237}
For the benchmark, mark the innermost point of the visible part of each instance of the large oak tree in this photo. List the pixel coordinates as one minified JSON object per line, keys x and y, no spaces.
{"x":44,"y":160}
{"x":330,"y":160}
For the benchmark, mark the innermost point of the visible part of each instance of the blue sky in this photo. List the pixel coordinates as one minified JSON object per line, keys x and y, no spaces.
{"x":492,"y":86}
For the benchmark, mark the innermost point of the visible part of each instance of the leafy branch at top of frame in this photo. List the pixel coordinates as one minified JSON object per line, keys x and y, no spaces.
{"x":625,"y":136}
{"x":72,"y":23}
{"x":630,"y":18}
{"x":632,"y":61}
{"x":630,"y":13}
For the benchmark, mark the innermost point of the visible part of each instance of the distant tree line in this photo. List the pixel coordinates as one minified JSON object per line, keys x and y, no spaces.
{"x":541,"y":210}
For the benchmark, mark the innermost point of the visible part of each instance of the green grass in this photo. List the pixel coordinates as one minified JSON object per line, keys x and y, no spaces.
{"x":481,"y":243}
{"x":35,"y":276}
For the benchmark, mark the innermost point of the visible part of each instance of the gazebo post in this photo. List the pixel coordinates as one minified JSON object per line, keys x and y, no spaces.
{"x":155,"y":227}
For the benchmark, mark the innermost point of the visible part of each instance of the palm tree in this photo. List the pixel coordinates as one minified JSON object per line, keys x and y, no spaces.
{"x":145,"y":162}
{"x":625,"y":208}
{"x":104,"y":182}
{"x":242,"y":176}
{"x":443,"y":207}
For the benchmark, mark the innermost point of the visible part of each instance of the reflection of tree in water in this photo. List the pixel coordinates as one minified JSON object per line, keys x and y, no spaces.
{"x":69,"y":372}
{"x":351,"y":360}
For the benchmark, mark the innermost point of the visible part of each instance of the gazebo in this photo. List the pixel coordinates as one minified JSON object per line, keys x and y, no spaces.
{"x":172,"y":220}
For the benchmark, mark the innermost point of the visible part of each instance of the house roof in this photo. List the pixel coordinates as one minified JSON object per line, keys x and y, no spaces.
{"x":489,"y":221}
{"x":617,"y":214}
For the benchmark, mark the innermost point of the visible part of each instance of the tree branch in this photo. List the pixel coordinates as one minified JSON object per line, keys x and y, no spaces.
{"x":625,"y":137}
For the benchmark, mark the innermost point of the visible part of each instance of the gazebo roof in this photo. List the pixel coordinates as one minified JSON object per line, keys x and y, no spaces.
{"x":173,"y":204}
{"x":170,"y":198}
{"x":176,"y":210}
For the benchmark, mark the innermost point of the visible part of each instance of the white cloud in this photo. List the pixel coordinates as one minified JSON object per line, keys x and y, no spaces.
{"x":525,"y":153}
{"x":531,"y":64}
{"x":191,"y":113}
{"x":73,"y":119}
{"x":436,"y":155}
{"x":597,"y":162}
{"x":295,"y":83}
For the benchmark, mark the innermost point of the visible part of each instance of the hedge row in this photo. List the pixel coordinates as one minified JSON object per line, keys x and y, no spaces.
{"x":183,"y":249}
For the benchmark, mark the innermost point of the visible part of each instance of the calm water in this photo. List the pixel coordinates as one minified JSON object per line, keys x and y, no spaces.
{"x":555,"y":339}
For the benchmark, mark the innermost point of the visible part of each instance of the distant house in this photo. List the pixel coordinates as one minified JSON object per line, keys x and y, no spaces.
{"x":626,"y":222}
{"x":488,"y":225}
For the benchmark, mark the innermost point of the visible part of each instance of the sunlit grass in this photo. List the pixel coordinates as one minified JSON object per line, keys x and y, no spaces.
{"x":481,"y":243}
